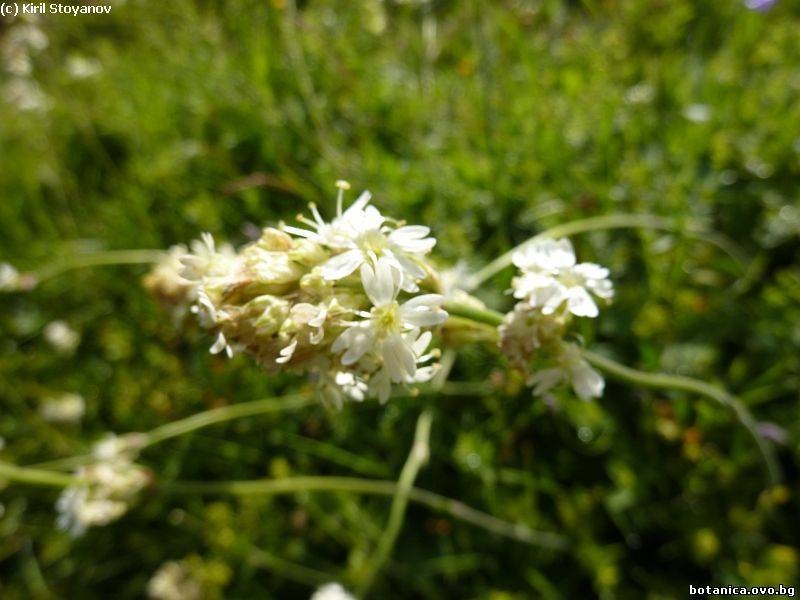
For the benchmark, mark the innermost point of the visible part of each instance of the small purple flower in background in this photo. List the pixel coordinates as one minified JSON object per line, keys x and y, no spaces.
{"x":760,"y":5}
{"x":772,"y":432}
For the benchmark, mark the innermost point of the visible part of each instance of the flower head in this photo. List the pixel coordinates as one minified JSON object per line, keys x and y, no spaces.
{"x":62,"y":337}
{"x":288,"y":300}
{"x":12,"y":280}
{"x":174,"y":580}
{"x":103,"y":493}
{"x":552,"y":280}
{"x":67,"y":408}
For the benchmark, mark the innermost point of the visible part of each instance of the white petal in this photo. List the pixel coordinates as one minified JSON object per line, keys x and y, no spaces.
{"x":422,"y":342}
{"x":382,"y":385}
{"x":545,"y":380}
{"x":550,"y":298}
{"x":287,"y":352}
{"x":342,"y":265}
{"x":407,"y":265}
{"x":361,"y":341}
{"x":587,"y":382}
{"x":591,"y":271}
{"x":357,"y":206}
{"x":379,"y":282}
{"x":219,"y":345}
{"x":423,"y":311}
{"x":580,"y":303}
{"x":398,"y":357}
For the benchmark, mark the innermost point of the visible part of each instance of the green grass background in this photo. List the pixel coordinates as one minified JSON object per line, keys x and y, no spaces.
{"x":488,"y":121}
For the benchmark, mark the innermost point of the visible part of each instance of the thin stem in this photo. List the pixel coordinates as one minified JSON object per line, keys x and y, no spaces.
{"x":295,"y":572}
{"x":378,"y":487}
{"x":652,"y":380}
{"x":98,"y":259}
{"x":245,"y":409}
{"x":487,"y":316}
{"x":687,"y":384}
{"x":607,"y":222}
{"x":34,"y":476}
{"x":227,"y":413}
{"x":417,"y":457}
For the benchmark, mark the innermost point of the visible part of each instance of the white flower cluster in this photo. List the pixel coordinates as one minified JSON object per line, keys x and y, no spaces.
{"x":552,"y":288}
{"x":339,"y":300}
{"x":105,"y":489}
{"x":174,"y":580}
{"x":12,"y":280}
{"x":63,"y":338}
{"x":23,"y":41}
{"x":332,"y":591}
{"x":64,"y":409}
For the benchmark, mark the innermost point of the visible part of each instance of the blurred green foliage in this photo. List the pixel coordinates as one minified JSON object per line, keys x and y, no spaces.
{"x":489,"y":121}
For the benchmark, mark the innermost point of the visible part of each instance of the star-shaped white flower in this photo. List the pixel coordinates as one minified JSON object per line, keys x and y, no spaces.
{"x":390,"y":330}
{"x":360,"y":235}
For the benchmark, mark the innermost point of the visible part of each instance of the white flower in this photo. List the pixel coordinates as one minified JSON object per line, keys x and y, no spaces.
{"x":9,"y":278}
{"x":361,"y":235}
{"x":81,"y":67}
{"x":26,"y":95}
{"x":207,"y":262}
{"x":551,"y":279}
{"x":174,"y":581}
{"x":383,"y":331}
{"x":102,"y":494}
{"x":331,"y":591}
{"x":334,"y":387}
{"x":62,"y":337}
{"x":571,"y":368}
{"x":118,"y":447}
{"x":68,"y":408}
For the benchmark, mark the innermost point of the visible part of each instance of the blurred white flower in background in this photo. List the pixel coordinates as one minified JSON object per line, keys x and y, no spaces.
{"x":102,"y":493}
{"x":697,"y":113}
{"x":67,"y":408}
{"x":62,"y":337}
{"x":26,"y":95}
{"x":12,"y":280}
{"x":9,"y":278}
{"x":174,"y":581}
{"x":83,"y":67}
{"x":17,"y":48}
{"x":332,"y":591}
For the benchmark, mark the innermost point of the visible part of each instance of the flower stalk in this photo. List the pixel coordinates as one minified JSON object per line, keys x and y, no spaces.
{"x":420,"y":452}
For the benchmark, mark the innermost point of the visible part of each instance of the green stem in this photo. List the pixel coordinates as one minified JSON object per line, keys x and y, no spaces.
{"x":245,"y":409}
{"x":607,"y":222}
{"x":227,"y":413}
{"x":417,"y":457}
{"x":34,"y":476}
{"x":651,"y":380}
{"x":487,"y":316}
{"x":98,"y":259}
{"x":687,"y":384}
{"x":378,"y":487}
